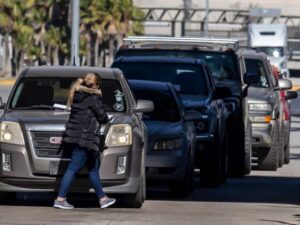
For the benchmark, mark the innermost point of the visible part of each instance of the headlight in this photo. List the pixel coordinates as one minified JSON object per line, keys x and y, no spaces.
{"x":168,"y":144}
{"x":119,"y":135}
{"x":260,"y":107}
{"x":11,"y":133}
{"x":261,"y":119}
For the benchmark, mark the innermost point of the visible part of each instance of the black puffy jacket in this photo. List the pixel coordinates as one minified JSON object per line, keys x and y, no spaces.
{"x":87,"y":115}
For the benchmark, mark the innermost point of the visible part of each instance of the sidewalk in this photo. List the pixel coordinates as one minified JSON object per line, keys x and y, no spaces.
{"x":296,"y":83}
{"x":7,"y":81}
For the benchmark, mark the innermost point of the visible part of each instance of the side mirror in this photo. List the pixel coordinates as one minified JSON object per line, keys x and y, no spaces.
{"x":284,"y":84}
{"x":192,"y":115}
{"x":144,"y":106}
{"x":250,"y":78}
{"x":291,"y":95}
{"x":2,"y":104}
{"x":222,"y":92}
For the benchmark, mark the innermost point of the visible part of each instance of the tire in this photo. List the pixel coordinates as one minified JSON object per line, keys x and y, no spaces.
{"x":210,"y":170}
{"x":236,"y":153}
{"x":224,"y":158}
{"x":186,"y":186}
{"x":281,"y":147}
{"x":287,"y":154}
{"x":248,"y":148}
{"x":268,"y":157}
{"x":136,"y":200}
{"x":7,"y":196}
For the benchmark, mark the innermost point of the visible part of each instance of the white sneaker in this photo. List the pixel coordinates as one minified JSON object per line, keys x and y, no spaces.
{"x":106,"y":202}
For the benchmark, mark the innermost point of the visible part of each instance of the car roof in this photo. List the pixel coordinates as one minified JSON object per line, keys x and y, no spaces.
{"x":150,"y":85}
{"x":70,"y":71}
{"x":177,"y":49}
{"x":160,"y":59}
{"x":252,"y":53}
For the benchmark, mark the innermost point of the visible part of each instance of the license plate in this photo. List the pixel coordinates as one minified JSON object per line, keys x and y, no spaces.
{"x":53,"y":167}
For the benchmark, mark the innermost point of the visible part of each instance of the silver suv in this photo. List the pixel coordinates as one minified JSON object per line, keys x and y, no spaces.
{"x":265,"y":110}
{"x":33,"y":123}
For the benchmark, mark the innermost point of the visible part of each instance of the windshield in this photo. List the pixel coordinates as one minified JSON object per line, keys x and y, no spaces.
{"x":43,"y":92}
{"x":223,"y":65}
{"x":187,"y":78}
{"x":272,"y":51}
{"x":165,"y":107}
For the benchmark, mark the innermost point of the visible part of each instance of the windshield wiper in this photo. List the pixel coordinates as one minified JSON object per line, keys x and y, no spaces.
{"x":49,"y":107}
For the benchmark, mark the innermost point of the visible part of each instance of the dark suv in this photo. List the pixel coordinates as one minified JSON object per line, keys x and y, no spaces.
{"x":227,"y":71}
{"x":195,"y":84}
{"x":33,"y":123}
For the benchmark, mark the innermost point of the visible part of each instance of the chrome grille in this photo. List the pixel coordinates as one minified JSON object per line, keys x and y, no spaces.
{"x":42,"y":145}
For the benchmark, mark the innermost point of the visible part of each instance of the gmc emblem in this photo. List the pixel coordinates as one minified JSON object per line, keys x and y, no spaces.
{"x":55,"y":140}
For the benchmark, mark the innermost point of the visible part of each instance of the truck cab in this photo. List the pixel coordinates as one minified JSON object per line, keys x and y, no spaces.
{"x":272,"y":40}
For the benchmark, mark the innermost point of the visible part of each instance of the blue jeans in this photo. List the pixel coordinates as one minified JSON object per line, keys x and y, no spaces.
{"x":80,"y":157}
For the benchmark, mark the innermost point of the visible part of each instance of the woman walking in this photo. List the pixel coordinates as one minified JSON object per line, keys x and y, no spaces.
{"x":83,"y":133}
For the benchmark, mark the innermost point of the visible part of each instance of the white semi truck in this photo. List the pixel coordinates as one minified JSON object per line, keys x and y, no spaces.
{"x":271,"y":39}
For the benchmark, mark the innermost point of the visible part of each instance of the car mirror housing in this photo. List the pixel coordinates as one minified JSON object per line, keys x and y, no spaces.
{"x":222,"y":92}
{"x":284,"y":84}
{"x":291,"y":95}
{"x":144,"y":106}
{"x":192,"y":115}
{"x":250,"y":78}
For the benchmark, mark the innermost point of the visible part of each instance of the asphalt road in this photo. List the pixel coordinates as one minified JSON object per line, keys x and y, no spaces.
{"x":263,"y":198}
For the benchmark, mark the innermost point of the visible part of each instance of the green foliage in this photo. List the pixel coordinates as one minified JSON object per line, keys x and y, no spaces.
{"x":35,"y":28}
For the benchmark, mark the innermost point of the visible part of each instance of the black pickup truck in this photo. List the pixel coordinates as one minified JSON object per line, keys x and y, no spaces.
{"x":196,"y":87}
{"x":226,"y":68}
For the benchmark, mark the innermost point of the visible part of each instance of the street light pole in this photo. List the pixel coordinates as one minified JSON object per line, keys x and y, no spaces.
{"x":206,"y":18}
{"x":75,"y":32}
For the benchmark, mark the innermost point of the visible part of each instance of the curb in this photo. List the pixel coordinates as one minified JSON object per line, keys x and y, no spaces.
{"x":7,"y":82}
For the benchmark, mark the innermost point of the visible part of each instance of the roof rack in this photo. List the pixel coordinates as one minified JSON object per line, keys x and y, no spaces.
{"x":146,"y":41}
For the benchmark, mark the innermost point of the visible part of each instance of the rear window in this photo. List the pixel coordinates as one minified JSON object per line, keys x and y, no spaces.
{"x":43,"y":92}
{"x":187,"y":78}
{"x":255,"y":66}
{"x":165,"y":107}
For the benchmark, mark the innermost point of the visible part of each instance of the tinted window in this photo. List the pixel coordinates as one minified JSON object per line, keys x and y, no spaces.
{"x":165,"y":107}
{"x":34,"y":92}
{"x":223,"y":65}
{"x":187,"y":78}
{"x":255,"y":66}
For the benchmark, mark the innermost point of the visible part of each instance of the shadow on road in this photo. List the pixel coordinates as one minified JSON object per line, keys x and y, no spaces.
{"x":252,"y":189}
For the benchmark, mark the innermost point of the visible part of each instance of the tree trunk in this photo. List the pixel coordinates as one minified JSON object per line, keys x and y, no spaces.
{"x":7,"y":54}
{"x":56,"y":56}
{"x":110,"y":49}
{"x":92,"y":49}
{"x":97,"y":52}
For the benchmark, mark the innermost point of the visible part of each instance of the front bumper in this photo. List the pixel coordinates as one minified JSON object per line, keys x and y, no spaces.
{"x":261,"y":134}
{"x":167,"y":165}
{"x":33,"y":174}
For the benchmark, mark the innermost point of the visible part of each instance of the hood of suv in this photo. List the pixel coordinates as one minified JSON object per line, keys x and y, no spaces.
{"x":232,"y":84}
{"x":36,"y":116}
{"x":158,"y":130}
{"x":264,"y":94}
